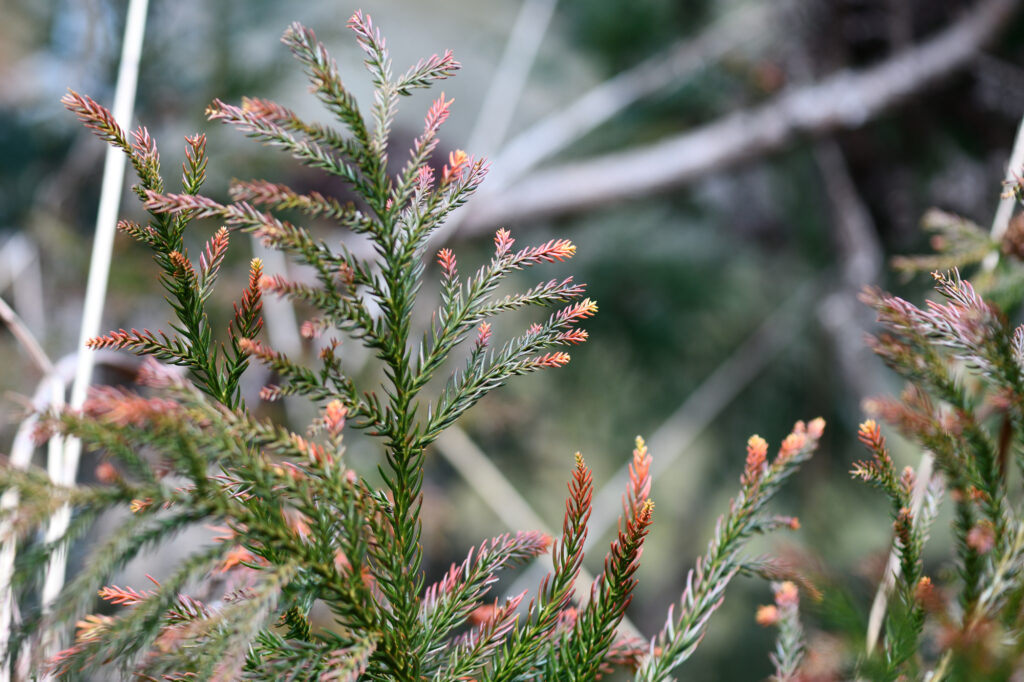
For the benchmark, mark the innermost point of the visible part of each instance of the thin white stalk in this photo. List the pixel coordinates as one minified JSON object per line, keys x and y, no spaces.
{"x":65,"y":468}
{"x":507,"y":85}
{"x":1005,"y":209}
{"x":49,"y":392}
{"x":876,"y":617}
{"x":21,"y":456}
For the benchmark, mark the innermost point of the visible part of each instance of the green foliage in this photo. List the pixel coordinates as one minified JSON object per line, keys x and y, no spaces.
{"x":300,"y":527}
{"x":962,"y":361}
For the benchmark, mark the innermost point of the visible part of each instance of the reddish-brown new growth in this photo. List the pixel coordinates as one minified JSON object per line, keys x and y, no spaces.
{"x":334,"y":417}
{"x":458,"y":163}
{"x":144,"y":145}
{"x":580,"y":310}
{"x":503,"y":241}
{"x":183,"y":266}
{"x":122,"y":408}
{"x":367,"y":35}
{"x":236,"y":556}
{"x":638,"y":490}
{"x":124,"y":596}
{"x":492,"y":624}
{"x":982,"y":537}
{"x":195,"y":148}
{"x":880,"y":467}
{"x":95,"y":117}
{"x":623,"y":557}
{"x":579,"y":505}
{"x":213,"y":253}
{"x":446,"y":259}
{"x":509,"y":547}
{"x":559,"y":359}
{"x":757,"y":454}
{"x":554,"y":250}
{"x":258,"y":350}
{"x":483,"y":336}
{"x":871,"y":435}
{"x":247,"y":321}
{"x":573,"y":336}
{"x":91,"y":627}
{"x":436,"y":115}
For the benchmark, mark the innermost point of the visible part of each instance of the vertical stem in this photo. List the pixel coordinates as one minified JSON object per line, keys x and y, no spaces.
{"x":405,"y":455}
{"x":65,"y":468}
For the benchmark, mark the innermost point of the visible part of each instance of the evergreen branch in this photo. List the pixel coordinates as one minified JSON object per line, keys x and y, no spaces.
{"x":522,"y":652}
{"x":385,"y":97}
{"x":473,"y":650}
{"x":280,"y":197}
{"x":287,"y":119}
{"x":308,"y":151}
{"x":131,"y":632}
{"x":789,"y":646}
{"x":133,"y":537}
{"x":323,"y":73}
{"x":706,"y":583}
{"x":426,"y":71}
{"x":581,"y":654}
{"x":447,"y":603}
{"x":194,"y":168}
{"x":210,"y":261}
{"x":297,"y":661}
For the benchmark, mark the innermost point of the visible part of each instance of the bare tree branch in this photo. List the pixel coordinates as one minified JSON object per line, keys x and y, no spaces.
{"x":553,"y":134}
{"x":847,"y":99}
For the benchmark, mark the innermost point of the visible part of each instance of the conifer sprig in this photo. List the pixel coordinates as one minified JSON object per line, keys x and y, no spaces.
{"x":706,"y":582}
{"x":963,"y":400}
{"x":296,"y":524}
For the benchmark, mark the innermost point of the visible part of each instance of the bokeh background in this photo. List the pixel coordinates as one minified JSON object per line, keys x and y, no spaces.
{"x":725,"y":258}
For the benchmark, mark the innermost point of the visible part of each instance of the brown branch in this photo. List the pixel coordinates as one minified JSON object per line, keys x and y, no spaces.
{"x":847,"y":99}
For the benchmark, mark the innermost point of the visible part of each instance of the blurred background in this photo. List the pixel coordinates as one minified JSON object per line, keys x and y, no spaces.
{"x":732,"y":171}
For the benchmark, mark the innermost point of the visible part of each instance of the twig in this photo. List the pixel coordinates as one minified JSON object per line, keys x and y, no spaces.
{"x":555,"y":133}
{"x":892,"y":568}
{"x":847,"y":99}
{"x":279,"y":315}
{"x":49,"y":393}
{"x":19,"y":269}
{"x":26,"y":338}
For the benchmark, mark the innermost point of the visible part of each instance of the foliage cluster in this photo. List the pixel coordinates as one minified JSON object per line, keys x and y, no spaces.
{"x":301,"y":529}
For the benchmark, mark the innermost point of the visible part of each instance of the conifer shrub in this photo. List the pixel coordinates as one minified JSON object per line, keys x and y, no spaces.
{"x":300,"y":527}
{"x":963,"y":363}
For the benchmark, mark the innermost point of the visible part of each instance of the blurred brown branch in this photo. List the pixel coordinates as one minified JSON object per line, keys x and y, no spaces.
{"x":847,"y":99}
